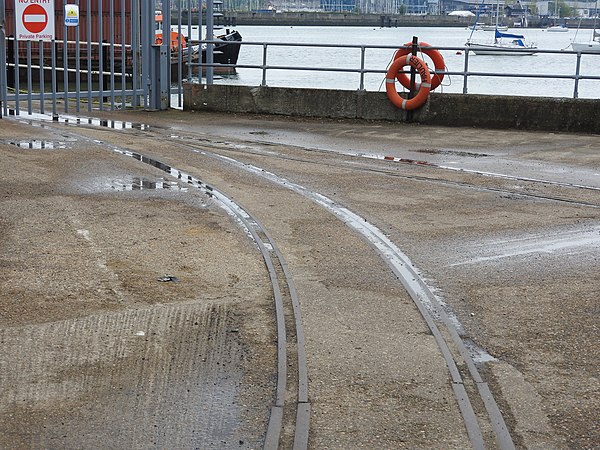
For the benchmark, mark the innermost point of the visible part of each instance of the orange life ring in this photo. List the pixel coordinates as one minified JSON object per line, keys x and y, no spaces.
{"x":158,"y":39}
{"x":436,"y":57}
{"x":424,"y":88}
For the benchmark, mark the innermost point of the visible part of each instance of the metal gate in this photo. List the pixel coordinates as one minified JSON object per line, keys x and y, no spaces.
{"x":110,"y":60}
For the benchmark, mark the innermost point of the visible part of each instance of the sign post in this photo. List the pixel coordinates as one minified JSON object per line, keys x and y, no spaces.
{"x":34,"y":20}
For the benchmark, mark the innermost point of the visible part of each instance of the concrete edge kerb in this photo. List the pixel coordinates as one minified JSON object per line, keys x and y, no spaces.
{"x":472,"y":110}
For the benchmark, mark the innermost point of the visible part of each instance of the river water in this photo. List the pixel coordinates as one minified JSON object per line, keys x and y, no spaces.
{"x":379,"y":59}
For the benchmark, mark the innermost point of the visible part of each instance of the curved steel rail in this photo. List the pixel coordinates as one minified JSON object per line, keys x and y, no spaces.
{"x":423,"y":298}
{"x":283,"y":287}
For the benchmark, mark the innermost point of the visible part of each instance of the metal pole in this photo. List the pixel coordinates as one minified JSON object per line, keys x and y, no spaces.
{"x":147,"y":23}
{"x":577,"y":74}
{"x":210,"y":26}
{"x":466,"y":70}
{"x":65,"y":66}
{"x":111,"y":49}
{"x":413,"y":72}
{"x":123,"y":53}
{"x":165,"y":58}
{"x":41,"y":59}
{"x":100,"y":57}
{"x":413,"y":76}
{"x":3,"y":68}
{"x":135,"y":54}
{"x":90,"y":85}
{"x":264,"y":66}
{"x":362,"y":69}
{"x":77,"y":66}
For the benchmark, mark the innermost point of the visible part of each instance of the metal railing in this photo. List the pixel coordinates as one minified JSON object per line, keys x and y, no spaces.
{"x":266,"y":66}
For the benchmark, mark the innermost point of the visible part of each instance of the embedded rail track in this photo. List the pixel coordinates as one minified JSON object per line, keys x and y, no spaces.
{"x":466,"y":385}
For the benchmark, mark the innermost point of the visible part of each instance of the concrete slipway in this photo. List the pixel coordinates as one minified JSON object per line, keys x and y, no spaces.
{"x":136,"y":313}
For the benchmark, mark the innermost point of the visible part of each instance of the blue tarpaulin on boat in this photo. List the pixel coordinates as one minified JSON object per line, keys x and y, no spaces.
{"x":508,"y":35}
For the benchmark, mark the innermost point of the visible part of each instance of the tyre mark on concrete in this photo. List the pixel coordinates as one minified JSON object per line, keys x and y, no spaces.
{"x":159,"y":407}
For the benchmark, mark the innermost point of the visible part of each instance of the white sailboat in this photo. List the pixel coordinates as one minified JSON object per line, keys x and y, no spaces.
{"x":593,"y":45}
{"x":503,"y":44}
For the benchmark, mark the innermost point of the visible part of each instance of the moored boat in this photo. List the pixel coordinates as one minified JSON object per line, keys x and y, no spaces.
{"x":500,"y":46}
{"x":558,"y":29}
{"x":592,"y":46}
{"x":184,"y":51}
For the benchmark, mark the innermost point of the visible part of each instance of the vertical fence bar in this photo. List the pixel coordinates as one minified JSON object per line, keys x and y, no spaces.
{"x":146,"y":21}
{"x":17,"y":76}
{"x":65,"y":67}
{"x":100,"y":56}
{"x":3,"y":66}
{"x":77,"y":67}
{"x":210,"y":35}
{"x":200,"y":38}
{"x":111,"y":25}
{"x":189,"y":33}
{"x":123,"y":54}
{"x":90,"y":83}
{"x":135,"y":51}
{"x":179,"y":57}
{"x":165,"y":59}
{"x":29,"y":76}
{"x":577,"y":75}
{"x":53,"y":75}
{"x":42,"y":80}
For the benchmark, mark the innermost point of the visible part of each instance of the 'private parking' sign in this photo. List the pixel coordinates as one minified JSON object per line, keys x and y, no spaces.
{"x":34,"y":20}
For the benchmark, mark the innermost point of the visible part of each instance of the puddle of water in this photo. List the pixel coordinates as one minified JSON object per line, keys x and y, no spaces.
{"x":434,"y":151}
{"x":113,"y":124}
{"x":39,"y":145}
{"x":478,"y":354}
{"x":140,"y":184}
{"x":558,"y":243}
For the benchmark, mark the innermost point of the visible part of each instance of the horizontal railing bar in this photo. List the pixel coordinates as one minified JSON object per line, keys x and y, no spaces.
{"x":381,"y":71}
{"x":376,"y":46}
{"x":82,"y":42}
{"x":82,"y":72}
{"x":75,"y":94}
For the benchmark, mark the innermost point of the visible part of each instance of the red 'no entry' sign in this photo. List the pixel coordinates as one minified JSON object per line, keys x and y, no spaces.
{"x":35,"y":18}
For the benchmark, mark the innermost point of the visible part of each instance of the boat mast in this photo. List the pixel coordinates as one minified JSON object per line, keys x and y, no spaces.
{"x":476,"y":20}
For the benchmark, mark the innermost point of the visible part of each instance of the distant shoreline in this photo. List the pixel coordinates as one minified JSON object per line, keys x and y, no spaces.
{"x":331,"y":19}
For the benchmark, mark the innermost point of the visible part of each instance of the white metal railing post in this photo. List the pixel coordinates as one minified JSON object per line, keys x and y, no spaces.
{"x":577,"y":74}
{"x":264,"y":66}
{"x":466,"y":70}
{"x":361,"y":86}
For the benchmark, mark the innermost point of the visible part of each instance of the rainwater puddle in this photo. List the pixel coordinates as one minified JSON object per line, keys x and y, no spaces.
{"x":554,"y":243}
{"x":140,"y":184}
{"x":38,"y":145}
{"x":113,"y":124}
{"x":435,"y":151}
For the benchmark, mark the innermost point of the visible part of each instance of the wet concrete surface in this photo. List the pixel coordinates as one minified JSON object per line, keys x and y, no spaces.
{"x":94,"y":345}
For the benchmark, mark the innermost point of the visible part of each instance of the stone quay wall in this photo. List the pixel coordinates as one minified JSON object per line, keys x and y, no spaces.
{"x":459,"y":110}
